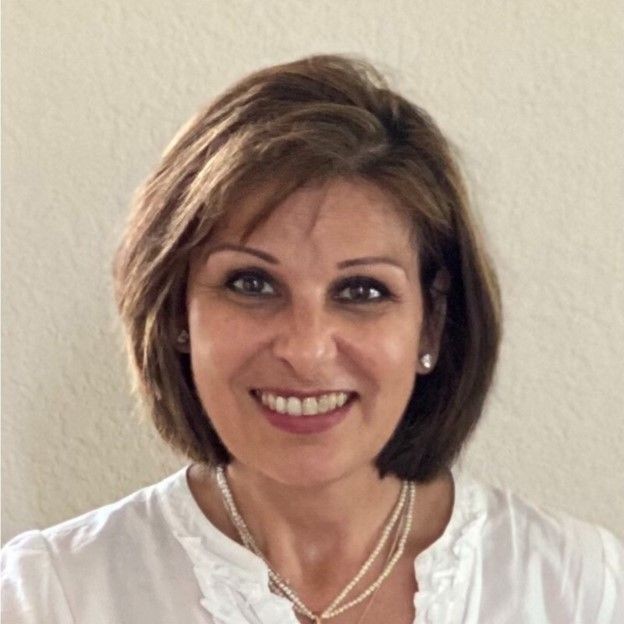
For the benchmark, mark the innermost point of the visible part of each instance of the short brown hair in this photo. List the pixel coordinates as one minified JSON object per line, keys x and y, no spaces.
{"x":315,"y":118}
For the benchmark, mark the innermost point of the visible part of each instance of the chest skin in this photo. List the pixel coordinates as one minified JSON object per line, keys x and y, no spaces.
{"x":392,"y":603}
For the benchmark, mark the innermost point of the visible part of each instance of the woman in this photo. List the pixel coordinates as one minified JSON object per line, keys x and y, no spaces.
{"x":314,"y":322}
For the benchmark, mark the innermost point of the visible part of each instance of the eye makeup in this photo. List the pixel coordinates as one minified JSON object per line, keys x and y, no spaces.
{"x":255,"y":282}
{"x":252,"y":282}
{"x":359,"y":284}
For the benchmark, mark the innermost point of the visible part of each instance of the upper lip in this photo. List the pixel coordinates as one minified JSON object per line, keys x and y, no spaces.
{"x":300,"y":394}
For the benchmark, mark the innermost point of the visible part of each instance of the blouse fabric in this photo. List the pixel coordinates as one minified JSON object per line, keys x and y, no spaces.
{"x":153,"y":557}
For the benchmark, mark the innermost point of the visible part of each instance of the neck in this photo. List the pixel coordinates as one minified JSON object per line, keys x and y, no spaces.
{"x":305,"y":531}
{"x":318,"y":537}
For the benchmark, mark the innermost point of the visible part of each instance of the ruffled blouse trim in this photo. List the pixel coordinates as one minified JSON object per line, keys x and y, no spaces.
{"x":446,"y":570}
{"x":234,"y":582}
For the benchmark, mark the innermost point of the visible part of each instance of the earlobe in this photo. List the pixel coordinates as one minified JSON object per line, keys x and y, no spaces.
{"x":427,"y":361}
{"x":441,"y":282}
{"x":434,"y":325}
{"x":182,"y":342}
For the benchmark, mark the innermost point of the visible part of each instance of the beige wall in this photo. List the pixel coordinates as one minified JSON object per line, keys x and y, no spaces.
{"x":530,"y":91}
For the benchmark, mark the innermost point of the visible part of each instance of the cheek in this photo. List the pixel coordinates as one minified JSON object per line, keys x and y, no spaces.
{"x":391,"y":349}
{"x":389,"y":359}
{"x":220,"y":347}
{"x":399,"y":348}
{"x":220,"y":344}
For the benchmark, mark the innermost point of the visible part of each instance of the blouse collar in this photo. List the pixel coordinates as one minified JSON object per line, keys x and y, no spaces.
{"x":234,"y":582}
{"x":446,"y":568}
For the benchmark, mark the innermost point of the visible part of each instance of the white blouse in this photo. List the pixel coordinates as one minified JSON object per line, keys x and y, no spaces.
{"x":154,"y":558}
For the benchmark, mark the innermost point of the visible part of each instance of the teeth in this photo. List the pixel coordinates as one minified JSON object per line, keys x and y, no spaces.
{"x":293,"y":406}
{"x":280,"y":405}
{"x":309,"y":406}
{"x":323,"y":403}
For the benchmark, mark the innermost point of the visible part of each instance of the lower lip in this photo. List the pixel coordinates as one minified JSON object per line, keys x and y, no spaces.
{"x":305,"y":424}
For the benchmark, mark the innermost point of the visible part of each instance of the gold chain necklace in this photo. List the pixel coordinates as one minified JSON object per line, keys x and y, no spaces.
{"x":335,"y":608}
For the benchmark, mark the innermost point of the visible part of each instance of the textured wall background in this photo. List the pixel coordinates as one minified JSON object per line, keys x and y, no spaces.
{"x":530,"y":91}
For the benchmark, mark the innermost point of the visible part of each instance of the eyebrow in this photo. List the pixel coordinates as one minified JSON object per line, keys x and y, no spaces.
{"x":242,"y":248}
{"x":370,"y":260}
{"x":344,"y":264}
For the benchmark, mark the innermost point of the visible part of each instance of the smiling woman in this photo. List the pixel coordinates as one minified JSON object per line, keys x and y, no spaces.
{"x":326,"y":313}
{"x":314,"y":322}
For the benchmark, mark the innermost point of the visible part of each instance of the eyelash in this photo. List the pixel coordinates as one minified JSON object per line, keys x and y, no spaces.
{"x":235,"y":276}
{"x":361,"y":281}
{"x":355,"y":281}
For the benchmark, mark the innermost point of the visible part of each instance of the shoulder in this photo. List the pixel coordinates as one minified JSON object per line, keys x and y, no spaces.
{"x":45,"y":569}
{"x":548,"y":556}
{"x":109,"y":526}
{"x":25,"y":561}
{"x":554,"y":535}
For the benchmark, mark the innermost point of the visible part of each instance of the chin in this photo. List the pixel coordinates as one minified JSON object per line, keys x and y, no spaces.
{"x":310,"y":469}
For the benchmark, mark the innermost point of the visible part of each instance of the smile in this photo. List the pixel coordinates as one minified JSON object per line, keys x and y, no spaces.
{"x":302,"y":406}
{"x":304,"y":414}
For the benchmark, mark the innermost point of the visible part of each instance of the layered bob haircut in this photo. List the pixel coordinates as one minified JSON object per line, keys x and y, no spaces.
{"x":285,"y":126}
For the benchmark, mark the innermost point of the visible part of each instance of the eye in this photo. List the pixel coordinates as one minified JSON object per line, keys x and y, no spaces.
{"x":362,"y":290}
{"x":251,"y":283}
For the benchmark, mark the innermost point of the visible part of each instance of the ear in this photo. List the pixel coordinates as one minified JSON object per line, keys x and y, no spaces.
{"x":433,"y":325}
{"x":182,"y":341}
{"x":178,"y":327}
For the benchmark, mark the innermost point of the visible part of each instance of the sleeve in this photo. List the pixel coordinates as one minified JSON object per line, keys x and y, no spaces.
{"x":611,"y":609}
{"x":30,"y":586}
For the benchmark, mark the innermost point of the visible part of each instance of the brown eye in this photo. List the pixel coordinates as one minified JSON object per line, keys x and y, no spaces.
{"x":250,"y":283}
{"x":362,"y":290}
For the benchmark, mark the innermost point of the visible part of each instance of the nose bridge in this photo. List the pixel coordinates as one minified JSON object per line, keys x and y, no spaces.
{"x":305,"y":335}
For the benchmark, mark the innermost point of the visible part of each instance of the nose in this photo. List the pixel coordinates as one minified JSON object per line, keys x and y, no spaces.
{"x":305,"y":340}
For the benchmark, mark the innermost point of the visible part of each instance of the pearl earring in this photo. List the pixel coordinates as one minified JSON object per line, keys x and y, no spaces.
{"x":183,"y":337}
{"x":426,"y":360}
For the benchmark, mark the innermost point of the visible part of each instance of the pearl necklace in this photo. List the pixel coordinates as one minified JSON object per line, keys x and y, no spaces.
{"x":335,"y":608}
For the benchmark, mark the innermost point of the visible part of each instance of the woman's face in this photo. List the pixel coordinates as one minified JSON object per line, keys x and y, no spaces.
{"x":322,"y":303}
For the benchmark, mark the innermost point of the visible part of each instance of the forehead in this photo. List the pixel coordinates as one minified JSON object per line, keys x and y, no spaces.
{"x":348,"y":210}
